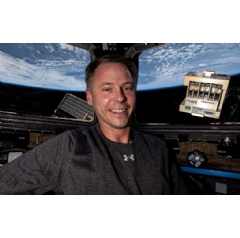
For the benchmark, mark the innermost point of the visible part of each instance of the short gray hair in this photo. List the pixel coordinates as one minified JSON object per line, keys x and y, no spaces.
{"x":111,"y":58}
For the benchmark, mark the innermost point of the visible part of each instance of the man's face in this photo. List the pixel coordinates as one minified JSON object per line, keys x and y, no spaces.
{"x":112,"y":94}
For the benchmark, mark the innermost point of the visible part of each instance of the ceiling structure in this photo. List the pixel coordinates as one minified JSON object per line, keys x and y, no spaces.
{"x":129,"y":50}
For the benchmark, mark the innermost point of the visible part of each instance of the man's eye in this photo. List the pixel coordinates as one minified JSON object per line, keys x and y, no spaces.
{"x":107,"y":89}
{"x":128,"y":89}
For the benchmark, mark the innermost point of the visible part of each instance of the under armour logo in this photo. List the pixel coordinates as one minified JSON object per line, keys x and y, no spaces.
{"x":126,"y":158}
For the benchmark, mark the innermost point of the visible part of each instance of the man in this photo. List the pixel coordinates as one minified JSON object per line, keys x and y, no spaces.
{"x":107,"y":158}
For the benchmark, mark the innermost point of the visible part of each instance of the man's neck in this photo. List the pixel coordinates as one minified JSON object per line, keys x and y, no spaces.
{"x":121,"y":135}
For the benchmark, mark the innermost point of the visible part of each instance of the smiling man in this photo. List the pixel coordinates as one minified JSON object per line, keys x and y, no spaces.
{"x":109,"y":157}
{"x":111,"y":92}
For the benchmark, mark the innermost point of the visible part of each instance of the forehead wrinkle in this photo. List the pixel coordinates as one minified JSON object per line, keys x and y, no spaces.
{"x":111,"y":83}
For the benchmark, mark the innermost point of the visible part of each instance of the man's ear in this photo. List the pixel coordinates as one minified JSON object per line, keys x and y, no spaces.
{"x":89,"y":97}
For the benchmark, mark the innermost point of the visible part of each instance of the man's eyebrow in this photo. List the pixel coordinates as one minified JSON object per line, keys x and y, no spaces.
{"x":109,"y":83}
{"x":128,"y":83}
{"x":106,"y":83}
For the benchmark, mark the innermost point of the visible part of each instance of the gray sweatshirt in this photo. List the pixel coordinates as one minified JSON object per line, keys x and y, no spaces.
{"x":84,"y":162}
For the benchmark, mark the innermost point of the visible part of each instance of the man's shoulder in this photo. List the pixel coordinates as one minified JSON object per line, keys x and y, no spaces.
{"x":85,"y":129}
{"x":81,"y":134}
{"x":71,"y":133}
{"x":147,"y":135}
{"x":90,"y":131}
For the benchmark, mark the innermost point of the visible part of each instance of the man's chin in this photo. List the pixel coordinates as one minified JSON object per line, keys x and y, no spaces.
{"x":119,"y":124}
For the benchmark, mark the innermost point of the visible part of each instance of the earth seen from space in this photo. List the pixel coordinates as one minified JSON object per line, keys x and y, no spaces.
{"x":61,"y":66}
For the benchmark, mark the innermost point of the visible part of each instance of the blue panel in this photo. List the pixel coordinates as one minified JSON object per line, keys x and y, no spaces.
{"x":209,"y":172}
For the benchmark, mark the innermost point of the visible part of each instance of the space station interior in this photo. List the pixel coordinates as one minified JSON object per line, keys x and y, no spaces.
{"x":200,"y":122}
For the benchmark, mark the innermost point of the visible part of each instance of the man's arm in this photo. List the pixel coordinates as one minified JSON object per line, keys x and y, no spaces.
{"x":38,"y":170}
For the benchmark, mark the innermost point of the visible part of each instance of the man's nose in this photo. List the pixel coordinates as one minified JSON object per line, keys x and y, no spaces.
{"x":119,"y":95}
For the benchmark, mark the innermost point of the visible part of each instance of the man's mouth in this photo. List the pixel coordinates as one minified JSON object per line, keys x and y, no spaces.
{"x":118,"y":110}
